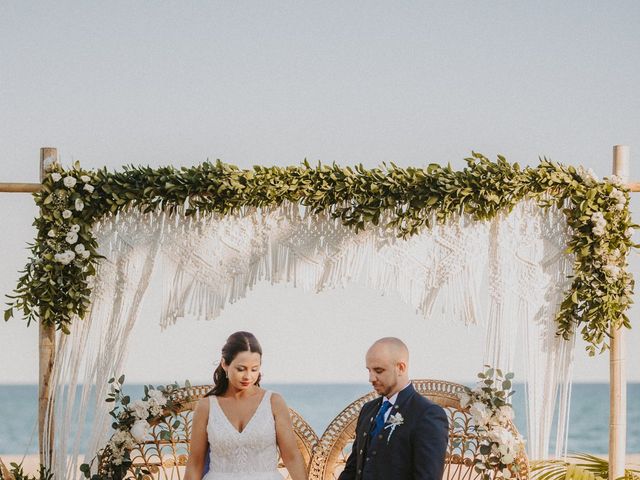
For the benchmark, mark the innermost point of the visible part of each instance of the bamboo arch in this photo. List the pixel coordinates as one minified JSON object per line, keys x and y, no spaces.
{"x":617,"y":371}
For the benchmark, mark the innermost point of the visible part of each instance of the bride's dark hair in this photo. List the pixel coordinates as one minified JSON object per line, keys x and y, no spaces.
{"x":236,"y":343}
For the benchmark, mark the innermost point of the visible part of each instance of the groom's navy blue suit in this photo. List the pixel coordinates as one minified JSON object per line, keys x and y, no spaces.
{"x":414,"y":451}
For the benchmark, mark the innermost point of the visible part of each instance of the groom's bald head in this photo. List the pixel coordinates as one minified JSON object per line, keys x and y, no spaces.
{"x":392,"y":348}
{"x":388,"y":365}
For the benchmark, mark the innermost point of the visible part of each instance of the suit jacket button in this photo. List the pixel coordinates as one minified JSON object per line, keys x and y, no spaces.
{"x":380,"y":436}
{"x":361,"y":451}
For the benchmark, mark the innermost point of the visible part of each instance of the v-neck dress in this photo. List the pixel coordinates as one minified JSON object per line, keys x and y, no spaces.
{"x":248,"y":455}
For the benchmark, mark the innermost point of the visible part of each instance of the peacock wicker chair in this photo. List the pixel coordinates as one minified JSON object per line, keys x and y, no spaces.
{"x":334,"y":446}
{"x":165,"y":455}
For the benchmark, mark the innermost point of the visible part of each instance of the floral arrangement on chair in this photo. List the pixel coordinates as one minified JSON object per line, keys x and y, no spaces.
{"x":491,"y":414}
{"x":132,"y":424}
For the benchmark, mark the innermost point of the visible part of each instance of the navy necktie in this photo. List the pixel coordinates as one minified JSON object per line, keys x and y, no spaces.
{"x":379,"y":422}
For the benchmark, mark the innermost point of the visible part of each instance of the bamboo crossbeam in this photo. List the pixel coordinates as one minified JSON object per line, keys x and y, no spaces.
{"x":20,"y":187}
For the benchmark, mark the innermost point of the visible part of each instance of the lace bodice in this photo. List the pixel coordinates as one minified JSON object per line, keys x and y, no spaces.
{"x":250,"y":454}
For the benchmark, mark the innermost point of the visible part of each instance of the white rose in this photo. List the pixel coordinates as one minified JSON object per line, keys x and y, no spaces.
{"x":85,"y":254}
{"x":480,"y":414}
{"x":79,"y":248}
{"x":612,"y":271}
{"x":55,"y":176}
{"x":66,"y":214}
{"x":501,"y":436}
{"x":69,"y":181}
{"x":89,"y":188}
{"x":65,"y":257}
{"x":155,"y":409}
{"x":506,"y":473}
{"x":79,"y":205}
{"x":507,"y":459}
{"x":158,"y":396}
{"x":505,"y":414}
{"x":615,"y":180}
{"x":75,"y":228}
{"x":72,"y":237}
{"x":464,"y":399}
{"x":51,"y":233}
{"x":140,"y":409}
{"x":85,"y":178}
{"x":122,"y":438}
{"x":140,"y":430}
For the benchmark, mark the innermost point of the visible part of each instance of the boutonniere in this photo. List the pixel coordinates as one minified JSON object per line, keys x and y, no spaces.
{"x":394,"y":421}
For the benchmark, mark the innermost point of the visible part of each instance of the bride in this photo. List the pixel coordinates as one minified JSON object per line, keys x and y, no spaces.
{"x":239,"y":426}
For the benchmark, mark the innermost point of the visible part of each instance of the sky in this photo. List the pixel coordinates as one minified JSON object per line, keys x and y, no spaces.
{"x":273,"y":83}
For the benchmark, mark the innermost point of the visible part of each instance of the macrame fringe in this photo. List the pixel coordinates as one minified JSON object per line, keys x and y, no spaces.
{"x":210,"y":260}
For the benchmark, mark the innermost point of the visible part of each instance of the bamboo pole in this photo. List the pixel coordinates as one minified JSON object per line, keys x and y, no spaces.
{"x":617,"y":373}
{"x":46,"y":349}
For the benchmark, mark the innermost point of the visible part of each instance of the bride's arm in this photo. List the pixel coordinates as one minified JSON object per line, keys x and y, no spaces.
{"x":286,"y":439}
{"x":199,"y":441}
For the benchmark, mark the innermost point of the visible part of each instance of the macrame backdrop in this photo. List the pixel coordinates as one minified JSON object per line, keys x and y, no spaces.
{"x":208,"y":261}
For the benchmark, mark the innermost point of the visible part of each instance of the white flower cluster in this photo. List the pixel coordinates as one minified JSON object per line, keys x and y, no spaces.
{"x":70,"y":233}
{"x":615,"y":180}
{"x":620,"y":198}
{"x":599,"y":223}
{"x":121,"y":442}
{"x":492,"y":424}
{"x":588,"y":175}
{"x":124,"y":440}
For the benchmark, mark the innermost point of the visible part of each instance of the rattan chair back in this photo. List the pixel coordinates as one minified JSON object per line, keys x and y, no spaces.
{"x":165,"y":454}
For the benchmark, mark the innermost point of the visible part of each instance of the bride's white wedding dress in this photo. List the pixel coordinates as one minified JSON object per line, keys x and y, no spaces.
{"x":248,"y":455}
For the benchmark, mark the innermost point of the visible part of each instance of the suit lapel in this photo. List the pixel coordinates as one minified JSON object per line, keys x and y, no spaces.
{"x":398,"y":407}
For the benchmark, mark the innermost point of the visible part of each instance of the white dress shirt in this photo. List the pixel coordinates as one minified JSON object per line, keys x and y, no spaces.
{"x":392,"y":401}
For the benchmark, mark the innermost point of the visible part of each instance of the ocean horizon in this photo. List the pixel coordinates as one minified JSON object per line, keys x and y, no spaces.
{"x":319,"y":403}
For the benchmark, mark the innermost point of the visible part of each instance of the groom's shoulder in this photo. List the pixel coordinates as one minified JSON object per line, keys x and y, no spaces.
{"x":426,"y":405}
{"x":371,"y":404}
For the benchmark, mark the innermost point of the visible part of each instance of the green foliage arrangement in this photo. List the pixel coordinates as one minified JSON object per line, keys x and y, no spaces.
{"x":492,"y":415}
{"x":16,"y":472}
{"x":55,"y":285}
{"x":132,"y":423}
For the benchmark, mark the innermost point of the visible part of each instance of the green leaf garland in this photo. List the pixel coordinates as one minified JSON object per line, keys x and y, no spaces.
{"x":55,"y":285}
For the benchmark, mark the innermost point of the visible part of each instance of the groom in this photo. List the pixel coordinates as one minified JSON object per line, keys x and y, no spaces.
{"x":400,"y":435}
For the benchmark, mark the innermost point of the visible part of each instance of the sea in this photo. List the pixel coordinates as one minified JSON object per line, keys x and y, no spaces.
{"x":320,"y":403}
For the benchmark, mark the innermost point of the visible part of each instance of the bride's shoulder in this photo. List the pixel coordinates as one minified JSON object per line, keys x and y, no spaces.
{"x":278,"y":403}
{"x":203,"y":405}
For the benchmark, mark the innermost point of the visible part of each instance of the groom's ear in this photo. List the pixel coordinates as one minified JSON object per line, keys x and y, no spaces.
{"x":402,"y":367}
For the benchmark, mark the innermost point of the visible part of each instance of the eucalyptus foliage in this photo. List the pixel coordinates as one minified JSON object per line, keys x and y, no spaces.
{"x":55,"y":285}
{"x":132,"y":423}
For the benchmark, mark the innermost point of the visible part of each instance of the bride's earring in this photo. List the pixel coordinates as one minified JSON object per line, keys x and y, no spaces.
{"x":226,"y":374}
